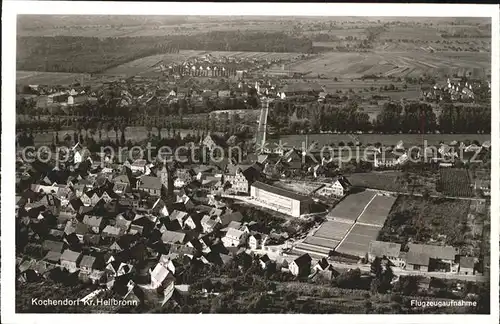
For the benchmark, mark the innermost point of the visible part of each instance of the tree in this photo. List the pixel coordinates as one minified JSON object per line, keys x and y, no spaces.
{"x":387,"y":277}
{"x":368,"y":306}
{"x":408,"y":285}
{"x":376,"y":267}
{"x":375,"y":286}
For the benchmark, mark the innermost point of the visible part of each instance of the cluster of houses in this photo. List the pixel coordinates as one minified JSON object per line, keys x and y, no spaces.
{"x":220,"y":66}
{"x":455,"y":90}
{"x":49,"y":97}
{"x":136,"y":224}
{"x":444,"y":154}
{"x":424,"y":258}
{"x":142,"y":223}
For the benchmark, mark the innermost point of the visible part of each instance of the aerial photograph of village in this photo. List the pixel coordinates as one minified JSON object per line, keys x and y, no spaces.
{"x":252,"y":164}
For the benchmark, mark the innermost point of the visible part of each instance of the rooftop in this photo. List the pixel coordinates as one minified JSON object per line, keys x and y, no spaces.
{"x":280,"y":191}
{"x":69,"y":255}
{"x":388,"y":249}
{"x":434,"y":251}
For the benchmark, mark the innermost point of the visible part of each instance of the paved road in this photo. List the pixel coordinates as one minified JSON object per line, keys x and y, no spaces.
{"x":262,"y":122}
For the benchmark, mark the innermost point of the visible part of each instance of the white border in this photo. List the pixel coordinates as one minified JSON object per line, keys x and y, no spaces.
{"x":12,"y":8}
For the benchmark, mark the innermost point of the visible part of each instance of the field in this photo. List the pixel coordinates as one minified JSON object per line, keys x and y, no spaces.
{"x":104,"y":31}
{"x":396,"y":64}
{"x":357,"y":241}
{"x":332,"y":230}
{"x":425,"y":221}
{"x":253,"y":55}
{"x":378,"y":180}
{"x":454,"y":182}
{"x":366,"y":88}
{"x":377,"y":211}
{"x":349,"y":209}
{"x":413,"y":32}
{"x":322,"y":242}
{"x":143,"y":64}
{"x":48,"y":78}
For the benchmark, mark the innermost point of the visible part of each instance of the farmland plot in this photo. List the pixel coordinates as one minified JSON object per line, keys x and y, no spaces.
{"x":389,"y":63}
{"x":425,"y":220}
{"x":377,"y":211}
{"x":146,"y":63}
{"x":357,"y":241}
{"x":48,"y":78}
{"x":349,"y":209}
{"x":332,"y":230}
{"x":454,"y":182}
{"x":414,"y":32}
{"x":389,"y":181}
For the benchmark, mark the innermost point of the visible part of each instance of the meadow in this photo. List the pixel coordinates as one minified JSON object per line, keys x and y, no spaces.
{"x":395,"y":64}
{"x":49,"y":78}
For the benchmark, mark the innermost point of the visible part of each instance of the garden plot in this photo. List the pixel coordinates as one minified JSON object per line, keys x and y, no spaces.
{"x":377,"y":211}
{"x":357,"y":241}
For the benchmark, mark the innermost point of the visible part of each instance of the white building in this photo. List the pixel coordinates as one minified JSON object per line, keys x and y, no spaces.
{"x":233,"y":237}
{"x":281,"y":200}
{"x":338,"y":188}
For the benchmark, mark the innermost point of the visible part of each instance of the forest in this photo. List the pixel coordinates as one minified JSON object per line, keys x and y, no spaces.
{"x":94,"y":54}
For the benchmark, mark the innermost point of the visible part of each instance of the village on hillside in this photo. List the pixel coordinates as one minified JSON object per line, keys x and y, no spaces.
{"x":186,"y":177}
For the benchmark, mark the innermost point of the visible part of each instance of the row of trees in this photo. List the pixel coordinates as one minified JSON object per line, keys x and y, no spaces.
{"x":285,"y":116}
{"x":414,"y":117}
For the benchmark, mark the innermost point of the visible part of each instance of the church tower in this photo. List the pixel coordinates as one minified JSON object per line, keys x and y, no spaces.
{"x":167,"y":181}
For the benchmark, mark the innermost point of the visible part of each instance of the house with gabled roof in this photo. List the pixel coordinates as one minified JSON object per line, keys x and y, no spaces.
{"x":160,"y":208}
{"x":179,"y":216}
{"x":87,"y":264}
{"x":228,"y":217}
{"x":212,"y":141}
{"x":425,"y":257}
{"x":233,"y":237}
{"x":264,"y":261}
{"x":467,"y":265}
{"x":139,"y":166}
{"x":173,"y":237}
{"x":53,"y":257}
{"x":54,"y":246}
{"x":161,"y":276}
{"x":112,"y":231}
{"x":96,"y":223}
{"x":389,"y":250}
{"x":70,"y":260}
{"x":301,"y":266}
{"x":180,"y":250}
{"x":257,"y":241}
{"x":193,"y":221}
{"x":117,"y":268}
{"x":340,"y":187}
{"x":151,"y":185}
{"x":209,"y":224}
